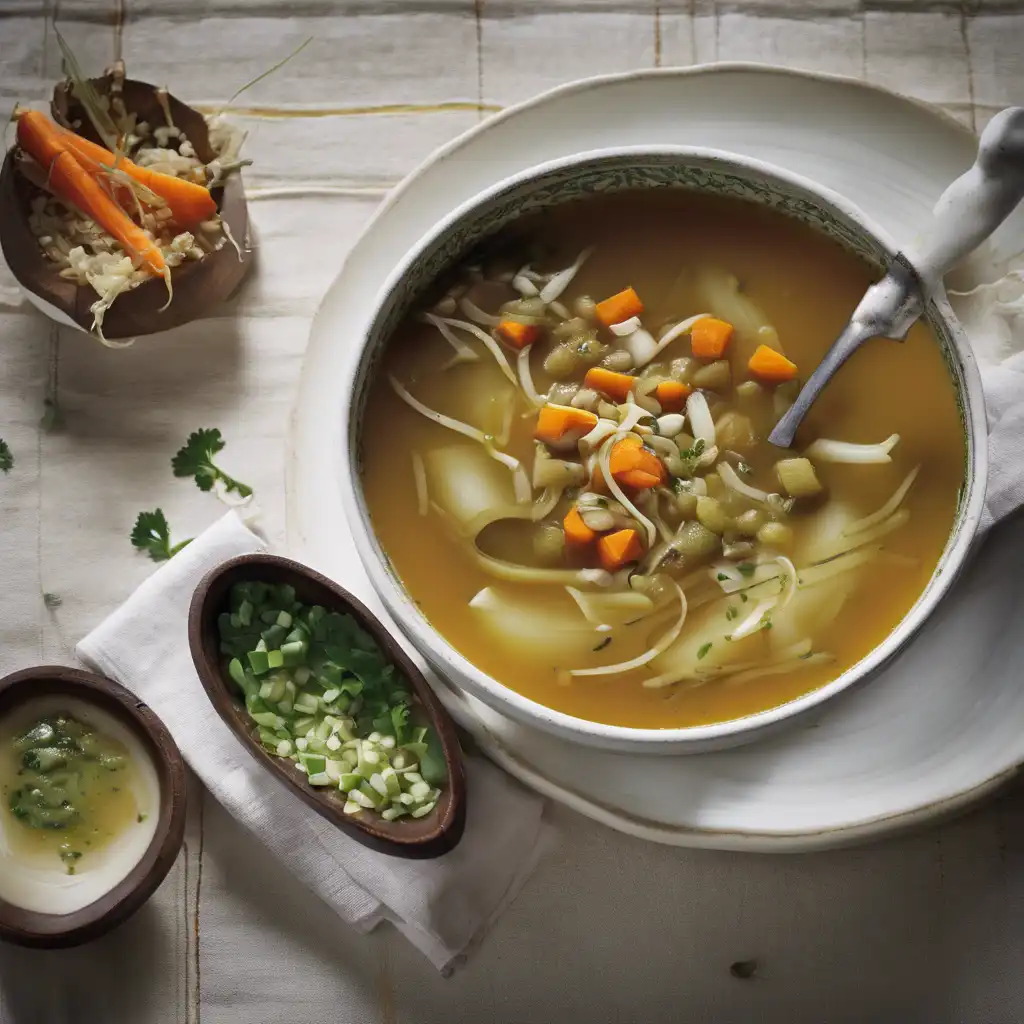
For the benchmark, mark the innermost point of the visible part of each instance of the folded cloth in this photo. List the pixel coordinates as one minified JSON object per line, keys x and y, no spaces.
{"x":443,"y":906}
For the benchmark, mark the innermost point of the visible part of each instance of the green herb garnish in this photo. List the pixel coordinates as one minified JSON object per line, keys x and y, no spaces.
{"x":195,"y":459}
{"x":703,"y":650}
{"x":746,"y":569}
{"x":731,"y":613}
{"x":152,"y":535}
{"x":604,"y":643}
{"x":6,"y":457}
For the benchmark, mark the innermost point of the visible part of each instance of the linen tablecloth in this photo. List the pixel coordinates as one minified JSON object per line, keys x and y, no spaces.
{"x":610,"y":929}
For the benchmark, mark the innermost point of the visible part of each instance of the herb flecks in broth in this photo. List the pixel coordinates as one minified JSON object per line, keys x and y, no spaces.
{"x":612,"y":534}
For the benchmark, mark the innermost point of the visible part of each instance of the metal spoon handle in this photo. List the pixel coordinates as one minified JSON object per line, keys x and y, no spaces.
{"x":976,"y":203}
{"x":970,"y":209}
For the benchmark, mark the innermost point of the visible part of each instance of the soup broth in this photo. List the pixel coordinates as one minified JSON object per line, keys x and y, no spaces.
{"x":751,"y":582}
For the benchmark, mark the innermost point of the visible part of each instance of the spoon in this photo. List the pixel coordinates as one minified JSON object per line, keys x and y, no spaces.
{"x":421,"y":838}
{"x":966,"y":214}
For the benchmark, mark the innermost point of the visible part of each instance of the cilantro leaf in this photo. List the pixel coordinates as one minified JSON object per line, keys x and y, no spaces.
{"x":152,"y":535}
{"x":195,"y":459}
{"x":6,"y":457}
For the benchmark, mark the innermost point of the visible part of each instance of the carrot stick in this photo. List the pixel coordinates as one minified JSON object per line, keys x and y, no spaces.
{"x":577,"y":533}
{"x":608,"y":382}
{"x":618,"y":548}
{"x":672,"y":395}
{"x":709,"y":338}
{"x":619,"y":307}
{"x":518,"y":335}
{"x":40,"y":138}
{"x":190,"y":203}
{"x":771,"y":366}
{"x":555,"y":421}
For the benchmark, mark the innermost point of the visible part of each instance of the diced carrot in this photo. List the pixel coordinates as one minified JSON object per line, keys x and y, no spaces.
{"x":619,"y":548}
{"x":518,"y":335}
{"x":577,"y":533}
{"x":555,"y":421}
{"x":710,"y":337}
{"x":771,"y":366}
{"x":638,"y":479}
{"x":672,"y":395}
{"x":633,"y":465}
{"x":619,"y":307}
{"x":608,"y":382}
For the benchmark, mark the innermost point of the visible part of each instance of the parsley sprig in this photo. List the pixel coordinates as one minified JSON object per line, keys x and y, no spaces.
{"x":6,"y":457}
{"x":152,"y":534}
{"x":195,"y":459}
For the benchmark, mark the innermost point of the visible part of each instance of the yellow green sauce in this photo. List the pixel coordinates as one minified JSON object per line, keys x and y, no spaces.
{"x":66,"y":789}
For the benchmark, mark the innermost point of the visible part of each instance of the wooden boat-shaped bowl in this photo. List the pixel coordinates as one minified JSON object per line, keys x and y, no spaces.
{"x":430,"y":836}
{"x":199,"y":285}
{"x":51,"y":931}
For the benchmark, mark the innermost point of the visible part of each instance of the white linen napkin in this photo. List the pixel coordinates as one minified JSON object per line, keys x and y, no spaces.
{"x":443,"y":906}
{"x":993,"y":316}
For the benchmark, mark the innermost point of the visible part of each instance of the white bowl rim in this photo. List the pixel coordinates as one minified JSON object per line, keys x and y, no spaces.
{"x":463,"y":673}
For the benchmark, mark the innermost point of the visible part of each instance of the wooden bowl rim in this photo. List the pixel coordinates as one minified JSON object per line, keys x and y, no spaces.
{"x":51,"y":931}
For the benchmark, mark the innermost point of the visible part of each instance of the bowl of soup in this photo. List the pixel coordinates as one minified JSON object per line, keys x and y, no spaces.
{"x":556,"y":465}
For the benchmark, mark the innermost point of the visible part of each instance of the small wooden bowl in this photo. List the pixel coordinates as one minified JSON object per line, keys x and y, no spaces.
{"x":199,"y":285}
{"x":430,"y":836}
{"x":53,"y":931}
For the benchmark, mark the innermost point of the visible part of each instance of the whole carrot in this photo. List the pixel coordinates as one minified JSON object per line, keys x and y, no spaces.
{"x":188,"y":202}
{"x":42,"y":140}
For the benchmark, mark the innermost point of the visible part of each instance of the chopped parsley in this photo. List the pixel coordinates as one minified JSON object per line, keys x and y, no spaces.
{"x":195,"y":459}
{"x":722,"y":577}
{"x":152,"y":534}
{"x":731,"y":613}
{"x":6,"y":457}
{"x":746,"y":569}
{"x":703,"y":650}
{"x":744,"y":598}
{"x":603,"y":644}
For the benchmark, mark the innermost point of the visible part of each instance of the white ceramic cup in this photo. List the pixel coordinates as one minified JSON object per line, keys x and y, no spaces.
{"x":616,"y":169}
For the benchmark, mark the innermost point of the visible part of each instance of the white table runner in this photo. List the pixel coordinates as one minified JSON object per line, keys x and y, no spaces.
{"x":927,"y":928}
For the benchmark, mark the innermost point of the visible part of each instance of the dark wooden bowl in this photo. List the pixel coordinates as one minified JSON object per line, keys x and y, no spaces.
{"x":199,"y":285}
{"x":430,"y":836}
{"x":52,"y":931}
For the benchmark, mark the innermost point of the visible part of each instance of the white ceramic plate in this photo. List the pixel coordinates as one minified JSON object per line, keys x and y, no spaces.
{"x":936,"y":731}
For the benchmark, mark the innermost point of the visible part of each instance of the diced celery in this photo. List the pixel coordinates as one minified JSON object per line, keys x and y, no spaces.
{"x":422,"y":812}
{"x":319,"y":779}
{"x":284,"y":620}
{"x":269,"y":616}
{"x":306,"y":704}
{"x":391,"y":813}
{"x":349,"y":781}
{"x":350,"y":757}
{"x":268,"y":720}
{"x":301,"y":743}
{"x":259,"y":662}
{"x":267,"y":690}
{"x":294,"y":653}
{"x":245,"y":610}
{"x":262,"y":646}
{"x":275,"y":659}
{"x":313,"y":762}
{"x":303,"y":724}
{"x":254,"y":704}
{"x":379,"y":785}
{"x":316,"y":745}
{"x":351,"y":807}
{"x":391,"y":783}
{"x":333,"y":742}
{"x":330,"y":696}
{"x":236,"y":621}
{"x":418,"y":790}
{"x":285,"y":707}
{"x":367,"y":791}
{"x":284,"y":748}
{"x":323,"y":730}
{"x":268,"y":738}
{"x":335,"y":769}
{"x":301,"y":675}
